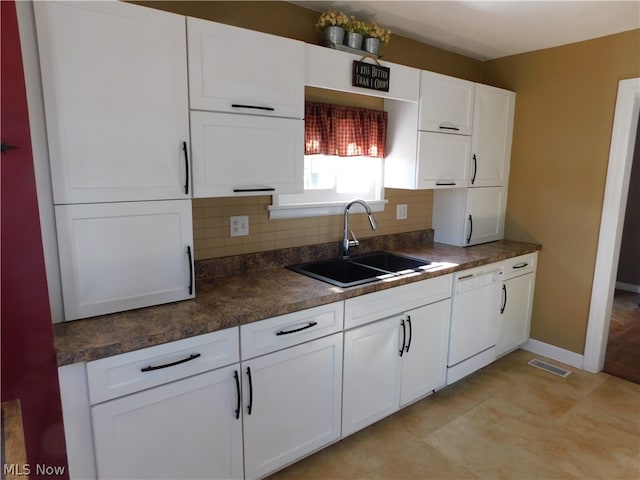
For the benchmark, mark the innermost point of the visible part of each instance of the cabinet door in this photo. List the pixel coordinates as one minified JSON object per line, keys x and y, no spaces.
{"x":246,"y":155}
{"x":185,"y":429}
{"x":120,"y":256}
{"x":371,"y":374}
{"x":446,"y":104}
{"x":443,"y":160}
{"x":232,"y":69}
{"x":291,"y":403}
{"x":424,"y":363}
{"x":114,"y":78}
{"x":492,"y":134}
{"x":515,"y":313}
{"x":485,"y":215}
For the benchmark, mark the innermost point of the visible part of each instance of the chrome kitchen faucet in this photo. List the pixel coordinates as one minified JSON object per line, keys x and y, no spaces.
{"x":346,"y":243}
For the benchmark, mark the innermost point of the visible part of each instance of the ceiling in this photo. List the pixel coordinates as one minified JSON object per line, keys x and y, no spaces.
{"x":492,"y":29}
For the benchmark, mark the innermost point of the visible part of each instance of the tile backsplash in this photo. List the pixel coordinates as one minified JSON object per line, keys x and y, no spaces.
{"x":211,"y":224}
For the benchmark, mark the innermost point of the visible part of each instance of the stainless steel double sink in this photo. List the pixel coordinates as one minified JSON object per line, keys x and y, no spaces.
{"x":361,"y":269}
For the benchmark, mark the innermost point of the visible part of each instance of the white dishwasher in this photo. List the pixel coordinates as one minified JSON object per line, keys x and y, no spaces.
{"x":474,"y":320}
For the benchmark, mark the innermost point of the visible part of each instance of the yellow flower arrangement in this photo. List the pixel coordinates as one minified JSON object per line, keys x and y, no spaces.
{"x":332,"y":19}
{"x":357,"y":26}
{"x":375,"y":31}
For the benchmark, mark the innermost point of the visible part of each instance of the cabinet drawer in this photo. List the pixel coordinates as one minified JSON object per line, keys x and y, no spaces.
{"x":378,"y":305}
{"x":517,"y":266}
{"x":291,"y":329}
{"x":127,"y":373}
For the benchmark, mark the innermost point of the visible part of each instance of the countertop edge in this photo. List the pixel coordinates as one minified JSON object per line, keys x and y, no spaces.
{"x":233,"y":301}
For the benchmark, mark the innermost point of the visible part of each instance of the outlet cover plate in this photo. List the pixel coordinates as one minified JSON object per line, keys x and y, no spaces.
{"x":401,"y":211}
{"x":239,"y":226}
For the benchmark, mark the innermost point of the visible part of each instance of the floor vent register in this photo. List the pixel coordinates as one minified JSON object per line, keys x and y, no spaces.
{"x":561,"y":372}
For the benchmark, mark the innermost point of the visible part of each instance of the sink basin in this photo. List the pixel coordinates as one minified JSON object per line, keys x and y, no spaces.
{"x":342,"y":273}
{"x":391,"y":262}
{"x":359,"y":269}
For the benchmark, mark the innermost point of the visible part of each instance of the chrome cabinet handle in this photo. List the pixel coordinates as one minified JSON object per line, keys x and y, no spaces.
{"x":172,"y":364}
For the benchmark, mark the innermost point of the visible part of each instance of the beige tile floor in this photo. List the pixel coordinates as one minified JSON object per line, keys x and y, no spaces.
{"x":508,"y":420}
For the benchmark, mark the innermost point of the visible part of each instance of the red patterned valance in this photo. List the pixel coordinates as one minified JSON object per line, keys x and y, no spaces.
{"x":344,"y":131}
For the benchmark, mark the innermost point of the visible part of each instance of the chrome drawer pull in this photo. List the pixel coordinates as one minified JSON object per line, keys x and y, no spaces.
{"x":287,"y":332}
{"x":172,"y":364}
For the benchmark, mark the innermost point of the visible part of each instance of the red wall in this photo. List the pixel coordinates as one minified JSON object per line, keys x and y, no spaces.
{"x":28,"y":369}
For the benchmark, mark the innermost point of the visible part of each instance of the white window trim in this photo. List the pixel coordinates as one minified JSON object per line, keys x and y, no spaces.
{"x":301,"y":210}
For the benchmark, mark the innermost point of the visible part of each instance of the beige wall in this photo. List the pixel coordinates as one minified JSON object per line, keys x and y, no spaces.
{"x":563,"y":122}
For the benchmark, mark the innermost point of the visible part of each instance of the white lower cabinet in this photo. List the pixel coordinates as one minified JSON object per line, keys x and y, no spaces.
{"x":393,"y":362}
{"x":395,"y":349}
{"x":291,"y":404}
{"x":185,"y":429}
{"x":517,"y":303}
{"x":180,"y":418}
{"x":371,"y":374}
{"x":424,"y":362}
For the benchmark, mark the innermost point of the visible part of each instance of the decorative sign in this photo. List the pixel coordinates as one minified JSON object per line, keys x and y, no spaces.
{"x":367,"y":75}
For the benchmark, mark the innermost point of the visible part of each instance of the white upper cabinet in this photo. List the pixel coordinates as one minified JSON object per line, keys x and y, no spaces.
{"x":246,"y":154}
{"x":469,"y":216}
{"x":492,"y":135}
{"x":333,"y":70}
{"x":114,"y":78}
{"x":443,"y":160}
{"x":446,"y":104}
{"x":232,"y":69}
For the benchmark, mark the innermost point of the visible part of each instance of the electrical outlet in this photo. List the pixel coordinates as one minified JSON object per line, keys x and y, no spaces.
{"x":239,"y":226}
{"x":401,"y":211}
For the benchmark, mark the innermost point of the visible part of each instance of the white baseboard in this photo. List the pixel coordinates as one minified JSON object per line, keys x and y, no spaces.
{"x":628,"y":287}
{"x":555,"y":353}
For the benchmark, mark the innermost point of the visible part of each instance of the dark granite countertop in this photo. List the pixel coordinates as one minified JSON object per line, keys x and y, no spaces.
{"x":233,"y":300}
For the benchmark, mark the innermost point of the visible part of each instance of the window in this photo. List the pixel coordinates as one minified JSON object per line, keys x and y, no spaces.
{"x":344,"y":151}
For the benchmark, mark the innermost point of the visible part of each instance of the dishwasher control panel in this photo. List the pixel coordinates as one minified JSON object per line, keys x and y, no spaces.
{"x":470,"y":279}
